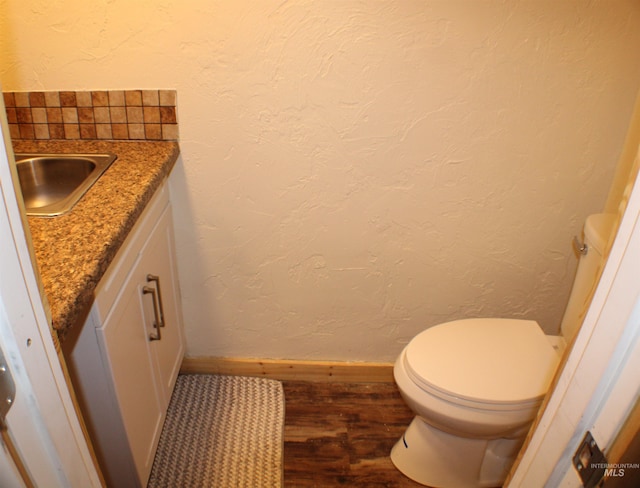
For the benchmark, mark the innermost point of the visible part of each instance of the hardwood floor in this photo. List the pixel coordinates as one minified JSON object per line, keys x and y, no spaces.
{"x":340,"y":434}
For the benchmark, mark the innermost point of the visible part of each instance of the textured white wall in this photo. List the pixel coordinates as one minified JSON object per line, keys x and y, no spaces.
{"x":357,"y":171}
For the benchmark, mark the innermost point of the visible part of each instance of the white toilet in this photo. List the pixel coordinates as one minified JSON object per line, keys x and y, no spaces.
{"x":476,"y":385}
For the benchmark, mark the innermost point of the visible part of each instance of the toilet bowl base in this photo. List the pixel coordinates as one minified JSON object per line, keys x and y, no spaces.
{"x":440,"y":460}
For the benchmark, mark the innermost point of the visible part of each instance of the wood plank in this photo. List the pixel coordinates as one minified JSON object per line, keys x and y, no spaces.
{"x":341,"y":434}
{"x":14,"y":455}
{"x":291,"y":369}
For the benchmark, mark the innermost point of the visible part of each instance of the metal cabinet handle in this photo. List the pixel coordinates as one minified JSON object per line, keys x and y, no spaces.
{"x":156,"y":323}
{"x":156,"y":279}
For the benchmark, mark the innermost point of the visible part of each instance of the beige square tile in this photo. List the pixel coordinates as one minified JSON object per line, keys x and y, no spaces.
{"x":102,"y":115}
{"x":103,"y":131}
{"x":41,"y":131}
{"x":136,"y":131}
{"x":70,"y":115}
{"x":170,"y":132}
{"x":52,"y":99}
{"x":84,"y":99}
{"x":150,"y":98}
{"x":39,"y":115}
{"x":134,"y":115}
{"x":168,"y":98}
{"x":118,"y":115}
{"x":116,"y":98}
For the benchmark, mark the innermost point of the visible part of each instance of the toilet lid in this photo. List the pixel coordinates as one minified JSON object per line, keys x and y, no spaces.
{"x":501,"y":361}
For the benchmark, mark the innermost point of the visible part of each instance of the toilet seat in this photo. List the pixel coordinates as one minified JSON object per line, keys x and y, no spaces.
{"x":483,"y":363}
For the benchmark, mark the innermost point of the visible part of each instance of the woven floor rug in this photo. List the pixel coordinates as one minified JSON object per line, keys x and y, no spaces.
{"x":221,"y":432}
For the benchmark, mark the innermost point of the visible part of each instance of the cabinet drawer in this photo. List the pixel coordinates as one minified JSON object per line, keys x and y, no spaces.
{"x":129,"y":253}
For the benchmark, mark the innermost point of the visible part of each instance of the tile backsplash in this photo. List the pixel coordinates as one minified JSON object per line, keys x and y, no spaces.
{"x":112,"y":114}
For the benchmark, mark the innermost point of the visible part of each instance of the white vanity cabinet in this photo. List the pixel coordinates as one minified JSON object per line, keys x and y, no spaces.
{"x":126,"y":359}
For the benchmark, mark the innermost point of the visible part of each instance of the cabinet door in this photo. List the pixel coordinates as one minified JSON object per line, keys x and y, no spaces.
{"x":126,"y":364}
{"x":126,"y":340}
{"x":160,"y":266}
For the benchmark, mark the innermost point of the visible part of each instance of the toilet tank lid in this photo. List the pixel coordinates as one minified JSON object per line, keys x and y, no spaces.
{"x":503,"y":361}
{"x":598,"y":228}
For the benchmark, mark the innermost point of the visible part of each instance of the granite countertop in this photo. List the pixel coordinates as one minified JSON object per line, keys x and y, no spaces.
{"x":74,"y":250}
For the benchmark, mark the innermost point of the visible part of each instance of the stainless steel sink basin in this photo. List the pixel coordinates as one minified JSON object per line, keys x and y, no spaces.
{"x":53,"y":183}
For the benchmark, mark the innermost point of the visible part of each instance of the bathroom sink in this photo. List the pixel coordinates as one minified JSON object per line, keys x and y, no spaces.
{"x":53,"y":183}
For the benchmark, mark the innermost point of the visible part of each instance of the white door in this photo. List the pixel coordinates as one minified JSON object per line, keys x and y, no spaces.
{"x":41,"y":422}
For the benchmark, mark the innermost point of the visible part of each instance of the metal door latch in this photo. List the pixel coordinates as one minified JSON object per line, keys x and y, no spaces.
{"x":590,"y":462}
{"x":7,"y":390}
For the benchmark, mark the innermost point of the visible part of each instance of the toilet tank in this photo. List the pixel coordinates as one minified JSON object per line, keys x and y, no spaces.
{"x":597,"y":229}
